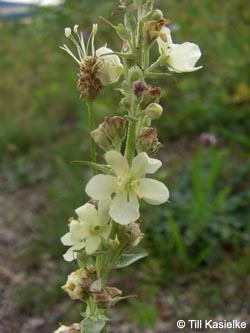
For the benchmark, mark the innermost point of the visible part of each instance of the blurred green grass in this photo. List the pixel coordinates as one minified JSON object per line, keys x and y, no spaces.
{"x":44,"y":128}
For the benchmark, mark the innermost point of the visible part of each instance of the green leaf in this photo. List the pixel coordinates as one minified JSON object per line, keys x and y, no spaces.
{"x":155,"y":75}
{"x":83,"y":260}
{"x":100,"y":167}
{"x":122,"y":32}
{"x":92,"y":325}
{"x":178,"y":240}
{"x":128,"y":259}
{"x":118,"y":299}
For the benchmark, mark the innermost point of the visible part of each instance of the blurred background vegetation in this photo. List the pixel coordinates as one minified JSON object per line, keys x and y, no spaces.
{"x":199,"y":243}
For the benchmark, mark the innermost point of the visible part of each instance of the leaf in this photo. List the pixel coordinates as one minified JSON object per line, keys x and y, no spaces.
{"x":178,"y":240}
{"x":100,"y":167}
{"x":122,"y":32}
{"x":128,"y":259}
{"x":92,"y":325}
{"x":118,"y":299}
{"x":155,"y":75}
{"x":83,"y":260}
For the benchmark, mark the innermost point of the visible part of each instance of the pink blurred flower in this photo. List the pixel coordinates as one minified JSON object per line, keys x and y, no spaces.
{"x":208,"y":139}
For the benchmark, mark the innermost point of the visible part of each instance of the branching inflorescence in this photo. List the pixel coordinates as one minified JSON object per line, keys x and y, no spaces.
{"x":108,"y":227}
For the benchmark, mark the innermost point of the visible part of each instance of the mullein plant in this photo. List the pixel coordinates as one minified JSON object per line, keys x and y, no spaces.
{"x":107,"y":228}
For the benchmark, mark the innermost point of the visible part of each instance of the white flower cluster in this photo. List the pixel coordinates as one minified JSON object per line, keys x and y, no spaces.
{"x":118,"y":199}
{"x":88,"y":230}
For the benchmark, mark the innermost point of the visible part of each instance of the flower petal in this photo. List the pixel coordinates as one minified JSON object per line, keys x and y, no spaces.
{"x":101,"y":187}
{"x":183,"y":57}
{"x":77,"y":231}
{"x":69,"y":255}
{"x":103,"y":210}
{"x":164,"y":41}
{"x":124,"y":211}
{"x":92,"y":244}
{"x":118,"y":162}
{"x":106,"y":231}
{"x":143,"y":164}
{"x":153,"y":191}
{"x":66,"y":239}
{"x":86,"y":212}
{"x":111,"y":68}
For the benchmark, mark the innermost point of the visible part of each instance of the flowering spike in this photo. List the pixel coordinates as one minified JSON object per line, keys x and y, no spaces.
{"x":107,"y":227}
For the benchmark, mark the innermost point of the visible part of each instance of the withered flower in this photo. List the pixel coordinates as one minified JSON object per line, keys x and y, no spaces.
{"x":96,"y":70}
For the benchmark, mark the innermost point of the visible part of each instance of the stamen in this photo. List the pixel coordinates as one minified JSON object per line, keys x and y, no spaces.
{"x":94,"y":31}
{"x":81,"y":40}
{"x":66,"y":49}
{"x":67,"y":32}
{"x":88,"y":42}
{"x":76,"y":28}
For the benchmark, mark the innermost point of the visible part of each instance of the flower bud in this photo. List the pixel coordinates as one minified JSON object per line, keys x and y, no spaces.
{"x":115,"y":128}
{"x":106,"y":297}
{"x":152,"y":29}
{"x":151,"y":95}
{"x":130,"y":235}
{"x":135,"y":74}
{"x":125,"y":103}
{"x":110,"y":134}
{"x":157,"y":15}
{"x":74,"y":328}
{"x":122,"y":32}
{"x":78,"y":284}
{"x":153,"y":111}
{"x":101,"y":139}
{"x":139,"y":87}
{"x":147,"y":141}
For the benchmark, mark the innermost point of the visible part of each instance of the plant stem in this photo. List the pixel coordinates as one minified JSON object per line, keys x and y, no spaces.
{"x":105,"y":328}
{"x":140,"y":37}
{"x":130,"y":145}
{"x":91,"y":127}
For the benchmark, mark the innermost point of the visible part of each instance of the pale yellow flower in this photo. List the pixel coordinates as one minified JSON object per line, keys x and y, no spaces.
{"x":178,"y":58}
{"x":127,"y":186}
{"x":87,"y":232}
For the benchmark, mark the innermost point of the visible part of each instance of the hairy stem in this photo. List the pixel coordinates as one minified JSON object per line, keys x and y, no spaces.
{"x":91,"y":127}
{"x":130,"y":145}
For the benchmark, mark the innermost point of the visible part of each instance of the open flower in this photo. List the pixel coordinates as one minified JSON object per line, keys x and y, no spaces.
{"x":74,"y":328}
{"x":87,"y":232}
{"x":127,"y":186}
{"x":179,"y":58}
{"x":97,"y":69}
{"x":110,"y":68}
